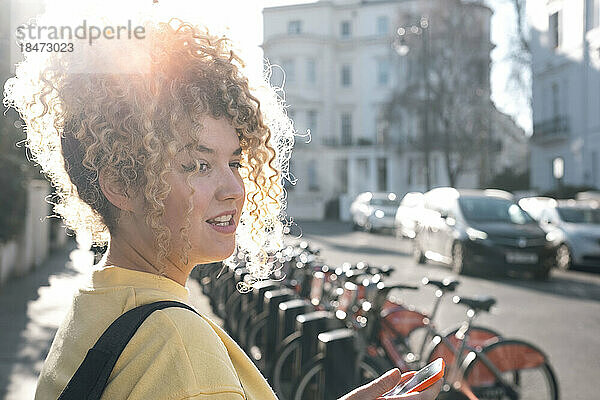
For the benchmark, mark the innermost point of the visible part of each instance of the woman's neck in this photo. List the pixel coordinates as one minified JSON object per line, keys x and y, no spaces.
{"x":140,"y":257}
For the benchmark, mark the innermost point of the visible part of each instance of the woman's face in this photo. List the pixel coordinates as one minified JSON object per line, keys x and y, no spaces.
{"x":218,"y":193}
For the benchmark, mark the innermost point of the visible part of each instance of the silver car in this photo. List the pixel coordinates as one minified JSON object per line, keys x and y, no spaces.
{"x":408,"y":213}
{"x":575,"y":227}
{"x":373,"y":211}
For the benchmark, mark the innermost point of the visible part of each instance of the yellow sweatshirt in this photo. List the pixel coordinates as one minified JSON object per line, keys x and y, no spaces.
{"x":175,"y":354}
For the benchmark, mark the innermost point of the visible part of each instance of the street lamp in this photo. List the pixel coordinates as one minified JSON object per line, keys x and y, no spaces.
{"x":421,"y":30}
{"x":558,"y":170}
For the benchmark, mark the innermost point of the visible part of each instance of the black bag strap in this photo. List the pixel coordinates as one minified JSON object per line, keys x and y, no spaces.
{"x":91,"y":377}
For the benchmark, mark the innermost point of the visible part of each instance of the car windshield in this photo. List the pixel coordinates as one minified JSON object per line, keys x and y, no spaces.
{"x":493,"y":209}
{"x":579,"y":215}
{"x":384,"y":202}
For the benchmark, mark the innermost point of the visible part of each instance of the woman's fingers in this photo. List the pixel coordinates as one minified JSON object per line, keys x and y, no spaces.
{"x":428,"y":394}
{"x":406,"y":376}
{"x":377,"y":387}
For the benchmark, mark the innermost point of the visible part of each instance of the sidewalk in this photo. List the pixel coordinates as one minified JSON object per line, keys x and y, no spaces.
{"x":31,"y":309}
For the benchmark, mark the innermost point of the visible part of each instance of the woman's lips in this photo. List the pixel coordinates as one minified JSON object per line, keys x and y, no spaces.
{"x":228,"y":229}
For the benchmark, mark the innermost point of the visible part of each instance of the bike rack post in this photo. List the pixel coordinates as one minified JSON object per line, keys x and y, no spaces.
{"x":273,"y":298}
{"x":340,"y":362}
{"x":310,"y":325}
{"x":288,"y":311}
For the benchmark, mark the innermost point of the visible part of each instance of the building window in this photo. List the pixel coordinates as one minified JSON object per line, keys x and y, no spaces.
{"x":434,"y":170}
{"x":287,"y":184}
{"x":289,"y":69}
{"x":345,"y":29}
{"x":346,"y":75}
{"x":311,"y":71}
{"x":381,"y":128}
{"x":555,"y":30}
{"x":311,"y":118}
{"x":482,"y":72}
{"x":294,"y":27}
{"x":555,"y":100}
{"x":313,"y":182}
{"x":363,"y":174}
{"x":382,"y":25}
{"x":383,"y":72}
{"x":595,"y":170}
{"x":382,"y":174}
{"x":342,"y":172}
{"x":346,"y":123}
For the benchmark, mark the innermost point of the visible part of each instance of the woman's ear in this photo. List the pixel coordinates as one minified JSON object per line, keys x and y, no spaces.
{"x":114,"y":192}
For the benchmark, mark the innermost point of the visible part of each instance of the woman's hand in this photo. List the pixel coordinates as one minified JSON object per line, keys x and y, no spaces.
{"x":387,"y":382}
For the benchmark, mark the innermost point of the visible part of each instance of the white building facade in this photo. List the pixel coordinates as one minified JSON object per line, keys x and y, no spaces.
{"x":566,"y":93}
{"x":340,"y":69}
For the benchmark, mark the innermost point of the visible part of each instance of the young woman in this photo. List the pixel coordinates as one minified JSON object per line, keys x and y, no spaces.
{"x":170,"y":163}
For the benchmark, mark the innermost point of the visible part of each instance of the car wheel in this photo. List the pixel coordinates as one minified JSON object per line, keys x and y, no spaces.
{"x":368,"y":227}
{"x":542,"y":274}
{"x":355,"y":226}
{"x":458,"y":259}
{"x":418,"y":254}
{"x":563,"y":257}
{"x":398,"y":233}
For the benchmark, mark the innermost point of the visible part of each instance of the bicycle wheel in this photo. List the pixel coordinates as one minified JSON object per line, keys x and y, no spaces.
{"x":523,"y":366}
{"x":286,"y":368}
{"x":255,"y":342}
{"x":478,"y":337}
{"x":312,"y":384}
{"x":372,"y":368}
{"x":233,"y":307}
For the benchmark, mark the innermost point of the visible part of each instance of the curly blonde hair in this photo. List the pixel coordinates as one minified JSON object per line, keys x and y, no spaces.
{"x":80,"y":122}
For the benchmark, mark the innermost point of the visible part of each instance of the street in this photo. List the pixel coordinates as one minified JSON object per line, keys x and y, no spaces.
{"x":560,"y":316}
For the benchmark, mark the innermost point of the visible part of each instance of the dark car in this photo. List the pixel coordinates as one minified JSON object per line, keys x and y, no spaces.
{"x":477,"y":230}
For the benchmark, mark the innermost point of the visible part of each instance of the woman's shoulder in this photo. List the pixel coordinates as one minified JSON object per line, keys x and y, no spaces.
{"x":186,"y":328}
{"x":178,"y":345}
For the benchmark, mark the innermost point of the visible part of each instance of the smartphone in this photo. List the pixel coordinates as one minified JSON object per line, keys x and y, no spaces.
{"x":424,"y":378}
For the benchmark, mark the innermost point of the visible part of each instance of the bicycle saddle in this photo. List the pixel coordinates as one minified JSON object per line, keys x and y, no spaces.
{"x":477,"y":304}
{"x":385,"y":270}
{"x":390,"y":286}
{"x":447,"y":285}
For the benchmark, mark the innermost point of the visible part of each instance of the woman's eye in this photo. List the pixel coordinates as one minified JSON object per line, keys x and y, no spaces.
{"x":202,"y":167}
{"x":236,"y":164}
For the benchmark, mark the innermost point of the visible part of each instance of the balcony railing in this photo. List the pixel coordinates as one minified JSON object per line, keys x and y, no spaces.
{"x":360,"y":142}
{"x":558,"y":127}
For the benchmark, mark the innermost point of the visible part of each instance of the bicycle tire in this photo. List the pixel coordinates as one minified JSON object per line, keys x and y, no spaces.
{"x":478,"y":336}
{"x":372,"y":368}
{"x":283,"y":387}
{"x":233,"y":307}
{"x":521,"y":363}
{"x":255,"y":350}
{"x":305,"y":388}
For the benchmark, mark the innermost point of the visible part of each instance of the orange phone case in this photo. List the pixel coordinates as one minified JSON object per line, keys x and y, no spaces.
{"x":428,"y":382}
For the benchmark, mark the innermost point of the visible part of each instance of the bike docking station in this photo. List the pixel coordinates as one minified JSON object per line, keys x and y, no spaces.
{"x":338,"y":350}
{"x":309,"y":327}
{"x":262,"y":340}
{"x":288,"y":312}
{"x":318,"y":333}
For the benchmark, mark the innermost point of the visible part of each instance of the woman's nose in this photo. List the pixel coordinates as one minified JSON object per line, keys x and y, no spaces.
{"x":231,"y":186}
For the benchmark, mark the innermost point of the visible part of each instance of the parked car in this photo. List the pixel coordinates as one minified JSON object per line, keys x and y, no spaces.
{"x":478,"y":230}
{"x":407,"y":214}
{"x":535,"y":205}
{"x":373,"y":211}
{"x":575,"y":228}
